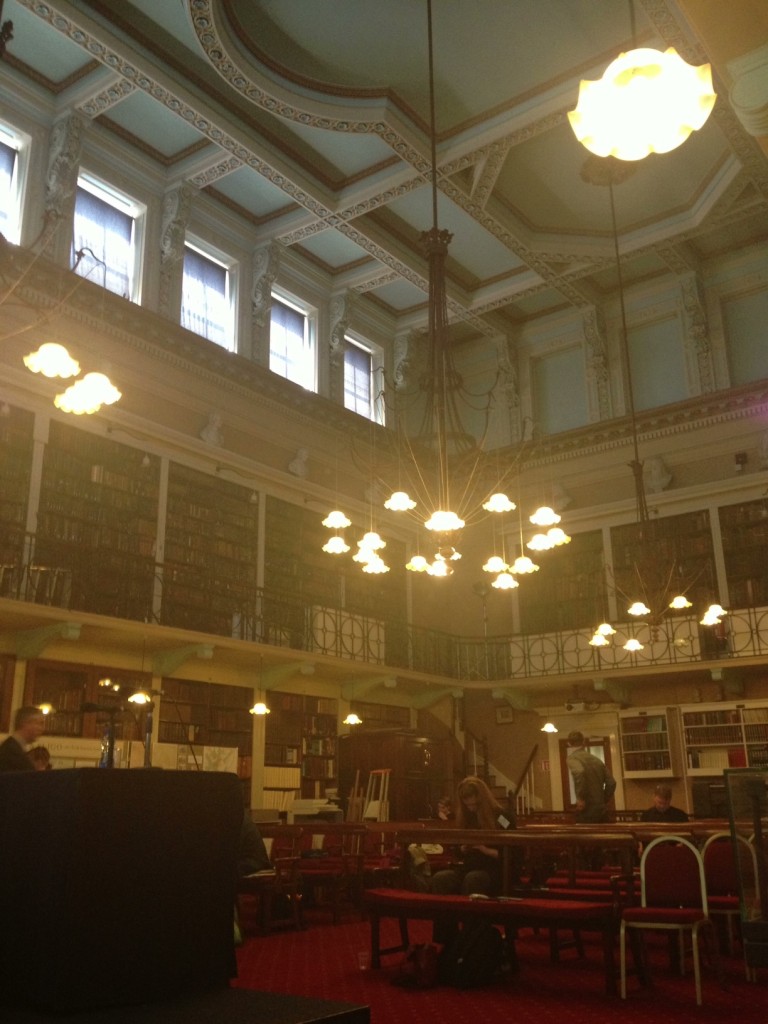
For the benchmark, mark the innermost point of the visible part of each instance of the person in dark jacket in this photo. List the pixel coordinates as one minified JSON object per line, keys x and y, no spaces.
{"x":252,"y":853}
{"x":592,"y":782}
{"x":28,"y":725}
{"x":662,"y":809}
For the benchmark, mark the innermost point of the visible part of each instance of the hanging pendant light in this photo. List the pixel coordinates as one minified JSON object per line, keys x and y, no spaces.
{"x":87,"y":395}
{"x":52,"y":360}
{"x":646,"y":102}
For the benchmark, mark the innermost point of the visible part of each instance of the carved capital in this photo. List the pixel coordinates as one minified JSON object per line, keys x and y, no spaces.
{"x":63,"y":164}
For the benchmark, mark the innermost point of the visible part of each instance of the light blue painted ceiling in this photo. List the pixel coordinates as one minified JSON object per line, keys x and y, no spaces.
{"x":159,"y":128}
{"x":325,"y":103}
{"x":252,"y":192}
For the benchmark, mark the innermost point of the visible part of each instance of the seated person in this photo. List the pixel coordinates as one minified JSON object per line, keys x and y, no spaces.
{"x":662,"y":809}
{"x":445,"y":808}
{"x":252,"y":854}
{"x":28,"y":725}
{"x":480,"y":868}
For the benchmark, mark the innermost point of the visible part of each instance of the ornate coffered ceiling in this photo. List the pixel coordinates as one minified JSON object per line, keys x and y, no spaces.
{"x":309,"y":120}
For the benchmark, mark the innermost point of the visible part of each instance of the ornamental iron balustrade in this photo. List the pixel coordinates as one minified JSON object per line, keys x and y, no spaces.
{"x":135,"y":588}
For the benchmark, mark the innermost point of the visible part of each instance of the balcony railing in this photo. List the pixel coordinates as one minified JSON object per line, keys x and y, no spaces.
{"x":108,"y":583}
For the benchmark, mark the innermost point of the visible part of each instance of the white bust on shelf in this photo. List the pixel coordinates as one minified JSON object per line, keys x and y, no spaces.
{"x":211,"y":432}
{"x":657,"y":474}
{"x":299,"y":466}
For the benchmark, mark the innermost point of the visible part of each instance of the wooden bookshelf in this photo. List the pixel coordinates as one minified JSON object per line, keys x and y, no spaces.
{"x":68,"y":686}
{"x":16,"y":441}
{"x":211,"y":550}
{"x":650,"y":743}
{"x":650,"y":549}
{"x":7,"y":664}
{"x":718,"y":736}
{"x":744,"y":529}
{"x":208,"y":714}
{"x":296,"y":563}
{"x":568,"y":591}
{"x":300,"y":751}
{"x":97,"y":523}
{"x":381,"y":716}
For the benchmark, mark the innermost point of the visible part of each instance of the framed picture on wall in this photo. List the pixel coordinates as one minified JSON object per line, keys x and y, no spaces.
{"x":505,"y":715}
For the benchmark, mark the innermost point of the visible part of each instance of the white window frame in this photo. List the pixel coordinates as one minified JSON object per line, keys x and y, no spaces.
{"x":230,"y":267}
{"x":305,"y":374}
{"x":20,"y":143}
{"x":107,"y":193}
{"x":374,"y":352}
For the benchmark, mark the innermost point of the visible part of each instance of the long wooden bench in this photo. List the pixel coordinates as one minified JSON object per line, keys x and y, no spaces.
{"x":512,"y":913}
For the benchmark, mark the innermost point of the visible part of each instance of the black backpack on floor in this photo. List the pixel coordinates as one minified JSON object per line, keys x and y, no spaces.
{"x":475,"y":957}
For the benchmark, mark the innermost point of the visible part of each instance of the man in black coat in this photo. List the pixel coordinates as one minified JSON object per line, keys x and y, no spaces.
{"x":28,"y":725}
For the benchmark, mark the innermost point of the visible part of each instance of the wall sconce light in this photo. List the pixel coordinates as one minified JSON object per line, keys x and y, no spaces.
{"x":549,"y":727}
{"x":352,"y":719}
{"x":46,"y":709}
{"x":260,"y":708}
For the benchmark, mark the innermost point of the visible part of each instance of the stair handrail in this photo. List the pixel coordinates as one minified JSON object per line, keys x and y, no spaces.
{"x":527,"y":768}
{"x":523,"y":795}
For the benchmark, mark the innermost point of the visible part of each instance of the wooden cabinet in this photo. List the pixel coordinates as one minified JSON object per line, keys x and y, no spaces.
{"x":650,"y":743}
{"x":718,"y":736}
{"x":97,"y":524}
{"x":300,"y":746}
{"x":421,"y":769}
{"x":211,"y":552}
{"x":381,"y":716}
{"x":744,"y":529}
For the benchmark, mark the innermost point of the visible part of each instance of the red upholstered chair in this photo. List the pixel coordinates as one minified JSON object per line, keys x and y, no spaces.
{"x":673,"y":898}
{"x":332,"y":863}
{"x":277,"y":891}
{"x":381,"y":858}
{"x":722,"y":863}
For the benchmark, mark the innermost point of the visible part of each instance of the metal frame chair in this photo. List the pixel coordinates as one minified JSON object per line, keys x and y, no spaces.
{"x":721,"y":872}
{"x":673,"y":898}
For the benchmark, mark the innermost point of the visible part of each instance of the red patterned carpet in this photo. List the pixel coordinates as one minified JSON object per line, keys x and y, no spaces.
{"x":322,"y":961}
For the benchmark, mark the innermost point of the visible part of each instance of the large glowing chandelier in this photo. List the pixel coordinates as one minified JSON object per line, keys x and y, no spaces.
{"x":661,"y":582}
{"x":646,"y":102}
{"x":449,"y":481}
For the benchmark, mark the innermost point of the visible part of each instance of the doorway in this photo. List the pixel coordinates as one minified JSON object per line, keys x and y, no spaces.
{"x":600,"y":746}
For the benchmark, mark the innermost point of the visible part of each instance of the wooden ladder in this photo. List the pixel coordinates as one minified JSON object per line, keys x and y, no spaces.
{"x":377,"y":795}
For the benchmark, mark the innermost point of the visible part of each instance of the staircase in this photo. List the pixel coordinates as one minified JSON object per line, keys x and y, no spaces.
{"x":476,"y":762}
{"x":520,"y":796}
